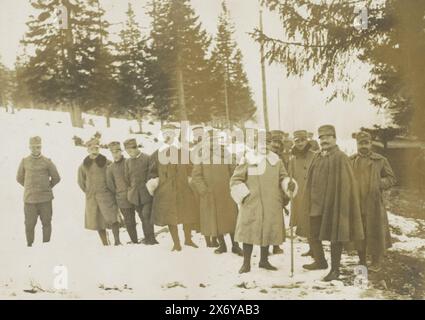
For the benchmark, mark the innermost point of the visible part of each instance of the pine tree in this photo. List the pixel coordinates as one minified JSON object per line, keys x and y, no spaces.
{"x":232,"y":95}
{"x":321,"y":37}
{"x":65,"y":61}
{"x":101,"y":90}
{"x":132,"y":62}
{"x":179,"y":73}
{"x":5,"y":85}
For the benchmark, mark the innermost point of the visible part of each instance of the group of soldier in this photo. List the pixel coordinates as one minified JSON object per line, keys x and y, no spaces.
{"x":332,"y":197}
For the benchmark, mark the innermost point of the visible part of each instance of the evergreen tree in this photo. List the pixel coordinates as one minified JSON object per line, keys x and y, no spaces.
{"x":62,"y":68}
{"x":179,"y":72}
{"x":5,"y":85}
{"x":232,"y":98}
{"x":133,"y":85}
{"x":321,"y":37}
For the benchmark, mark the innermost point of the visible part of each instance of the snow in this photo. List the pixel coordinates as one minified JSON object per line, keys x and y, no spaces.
{"x":131,"y":271}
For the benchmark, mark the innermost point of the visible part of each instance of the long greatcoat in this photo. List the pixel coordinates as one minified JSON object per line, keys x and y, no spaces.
{"x":101,"y":209}
{"x":299,"y":165}
{"x":331,"y":192}
{"x":374,"y":175}
{"x":174,"y":200}
{"x":218,"y":211}
{"x":260,"y":218}
{"x":115,"y":178}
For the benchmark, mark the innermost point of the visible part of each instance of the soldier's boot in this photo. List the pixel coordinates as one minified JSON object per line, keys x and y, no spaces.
{"x":188,"y":237}
{"x":264,"y":259}
{"x":362,"y":257}
{"x":277,"y":250}
{"x":103,"y":237}
{"x":336,"y":252}
{"x":236,"y":249}
{"x":148,"y":232}
{"x":175,"y":236}
{"x":320,"y":262}
{"x":222,"y":245}
{"x":208,"y":241}
{"x":376,"y":263}
{"x":116,"y":233}
{"x":132,"y":233}
{"x":247,"y":252}
{"x":214,"y":242}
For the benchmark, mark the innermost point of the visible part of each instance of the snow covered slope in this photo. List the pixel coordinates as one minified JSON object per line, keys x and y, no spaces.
{"x":129,"y":271}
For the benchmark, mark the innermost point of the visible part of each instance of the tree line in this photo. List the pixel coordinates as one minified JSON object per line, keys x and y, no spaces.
{"x":176,"y":71}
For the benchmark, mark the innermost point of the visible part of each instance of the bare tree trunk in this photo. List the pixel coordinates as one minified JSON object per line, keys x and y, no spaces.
{"x":76,"y":116}
{"x":180,"y":91}
{"x":108,"y":119}
{"x":139,"y":122}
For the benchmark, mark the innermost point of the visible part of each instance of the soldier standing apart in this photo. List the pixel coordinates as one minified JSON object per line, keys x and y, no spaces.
{"x":332,"y":200}
{"x":374,"y":175}
{"x":257,"y":186}
{"x":101,"y":210}
{"x":117,"y":184}
{"x":300,"y":162}
{"x":211,"y":180}
{"x":174,"y":200}
{"x":136,"y":170}
{"x":38,"y":175}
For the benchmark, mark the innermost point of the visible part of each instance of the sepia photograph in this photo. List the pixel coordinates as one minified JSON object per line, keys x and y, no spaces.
{"x":212,"y":150}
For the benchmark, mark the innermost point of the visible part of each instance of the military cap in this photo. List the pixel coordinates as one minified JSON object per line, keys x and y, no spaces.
{"x":363,"y":136}
{"x":114,"y":146}
{"x":300,"y":134}
{"x":327,"y":130}
{"x":130,"y":143}
{"x":35,"y":141}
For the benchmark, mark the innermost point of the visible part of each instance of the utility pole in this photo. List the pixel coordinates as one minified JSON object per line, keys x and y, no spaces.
{"x":263,"y":77}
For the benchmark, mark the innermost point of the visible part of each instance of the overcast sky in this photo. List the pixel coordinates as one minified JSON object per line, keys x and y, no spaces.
{"x":302,"y":105}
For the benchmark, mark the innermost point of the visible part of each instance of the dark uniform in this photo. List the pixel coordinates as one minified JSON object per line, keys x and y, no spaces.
{"x":136,"y":175}
{"x":332,"y":200}
{"x":38,"y":175}
{"x":374,"y":175}
{"x":115,"y":178}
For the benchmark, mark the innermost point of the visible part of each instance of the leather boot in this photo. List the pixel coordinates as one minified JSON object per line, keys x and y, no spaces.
{"x":188,"y":237}
{"x":264,"y":259}
{"x":247,"y":252}
{"x":222,"y":245}
{"x":336,"y":252}
{"x":236,"y":249}
{"x":320,"y":262}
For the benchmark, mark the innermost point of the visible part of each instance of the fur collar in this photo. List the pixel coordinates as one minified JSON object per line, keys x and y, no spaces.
{"x":100,"y":161}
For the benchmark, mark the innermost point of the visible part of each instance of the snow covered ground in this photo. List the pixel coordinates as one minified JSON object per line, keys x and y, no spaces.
{"x":134,"y":271}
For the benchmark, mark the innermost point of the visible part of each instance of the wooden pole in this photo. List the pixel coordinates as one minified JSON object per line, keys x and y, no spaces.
{"x":263,"y":77}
